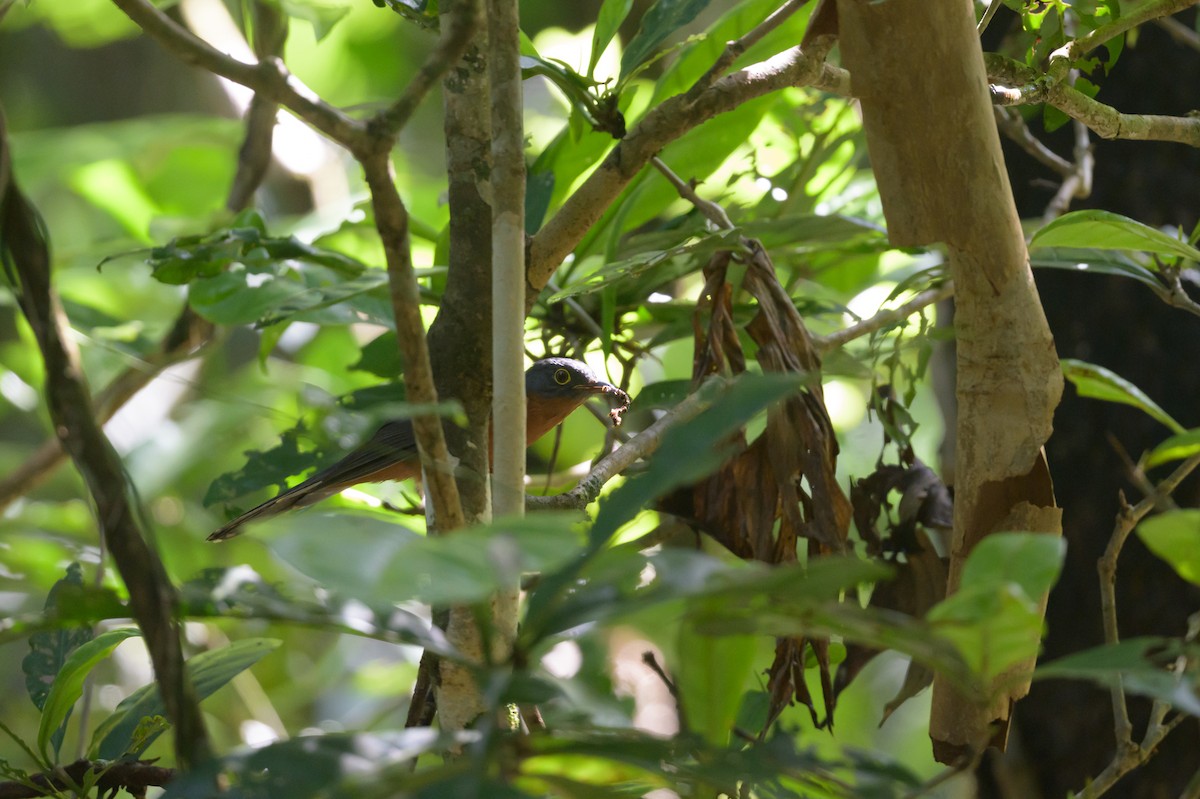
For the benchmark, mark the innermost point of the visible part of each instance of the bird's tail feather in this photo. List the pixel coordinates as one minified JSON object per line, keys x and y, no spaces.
{"x":309,"y":492}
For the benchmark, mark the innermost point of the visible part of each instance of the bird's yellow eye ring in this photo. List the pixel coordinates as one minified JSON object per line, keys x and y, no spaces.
{"x":562,"y":376}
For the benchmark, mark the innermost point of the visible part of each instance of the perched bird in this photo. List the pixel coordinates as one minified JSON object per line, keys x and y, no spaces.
{"x":553,"y":388}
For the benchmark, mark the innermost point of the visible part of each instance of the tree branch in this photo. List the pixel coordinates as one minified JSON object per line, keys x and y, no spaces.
{"x":884,"y":318}
{"x":662,"y":125}
{"x":269,"y":78}
{"x":1012,"y":125}
{"x":134,"y":777}
{"x":152,"y":598}
{"x":1062,"y":58}
{"x":391,"y":219}
{"x":458,"y":24}
{"x":638,"y":447}
{"x":1017,"y":84}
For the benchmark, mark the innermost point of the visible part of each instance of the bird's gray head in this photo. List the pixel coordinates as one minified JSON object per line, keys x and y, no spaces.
{"x":564,"y":377}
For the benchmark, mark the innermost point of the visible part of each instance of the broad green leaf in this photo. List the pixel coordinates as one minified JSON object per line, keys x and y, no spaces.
{"x":1102,"y":230}
{"x":49,"y":649}
{"x":1094,"y":261}
{"x":1137,"y":665}
{"x":118,"y":736}
{"x":68,"y":685}
{"x":711,"y":676}
{"x":378,"y":561}
{"x":321,"y":14}
{"x":1099,"y":383}
{"x":1032,"y":561}
{"x":612,"y":14}
{"x":1175,"y":537}
{"x":1176,"y":448}
{"x":319,"y":297}
{"x":660,"y":21}
{"x":994,"y":618}
{"x":611,"y":273}
{"x":336,"y":765}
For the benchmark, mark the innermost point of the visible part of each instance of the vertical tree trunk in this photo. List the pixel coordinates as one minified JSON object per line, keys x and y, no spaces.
{"x":918,"y":69}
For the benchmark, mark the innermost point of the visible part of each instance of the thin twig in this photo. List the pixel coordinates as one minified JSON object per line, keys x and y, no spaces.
{"x":1179,"y":32}
{"x":269,"y":77}
{"x":623,"y":457}
{"x":711,"y":211}
{"x":734,"y":50}
{"x":884,"y":318}
{"x":1012,"y":125}
{"x":1062,"y":58}
{"x":1014,"y":83}
{"x":1078,"y":184}
{"x":457,"y":25}
{"x":1130,"y":755}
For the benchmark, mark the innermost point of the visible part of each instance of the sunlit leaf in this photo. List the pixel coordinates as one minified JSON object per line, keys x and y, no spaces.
{"x":68,"y":685}
{"x":1102,"y":230}
{"x":612,"y":13}
{"x":49,"y":649}
{"x":994,"y":618}
{"x":1175,"y":537}
{"x":1099,"y":383}
{"x":662,"y":19}
{"x":321,"y":14}
{"x":118,"y":735}
{"x":374,"y":560}
{"x":1176,"y":448}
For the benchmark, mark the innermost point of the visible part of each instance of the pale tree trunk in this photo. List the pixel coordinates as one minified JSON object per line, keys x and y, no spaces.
{"x":918,"y":69}
{"x":486,"y":263}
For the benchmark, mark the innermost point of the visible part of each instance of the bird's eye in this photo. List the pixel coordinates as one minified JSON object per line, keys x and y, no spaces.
{"x":562,"y":376}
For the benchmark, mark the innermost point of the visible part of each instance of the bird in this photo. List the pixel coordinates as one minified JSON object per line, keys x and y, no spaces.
{"x":554,"y":387}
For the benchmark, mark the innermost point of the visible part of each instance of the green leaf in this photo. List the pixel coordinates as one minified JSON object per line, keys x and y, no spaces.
{"x":1174,"y":536}
{"x":1101,"y":230}
{"x":318,"y":297}
{"x":49,"y":650}
{"x":612,"y":14}
{"x":380,"y":561}
{"x":994,"y":618}
{"x":1099,"y":383}
{"x":1176,"y":448}
{"x":336,"y":765}
{"x":1031,"y":561}
{"x":322,"y":15}
{"x":660,"y":21}
{"x":655,"y":260}
{"x":68,"y":685}
{"x":119,"y":735}
{"x":381,"y":357}
{"x":1138,"y":665}
{"x":711,"y":676}
{"x":1094,"y":261}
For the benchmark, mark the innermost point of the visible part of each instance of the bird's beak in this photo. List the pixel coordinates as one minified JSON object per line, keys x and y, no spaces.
{"x":599,"y":387}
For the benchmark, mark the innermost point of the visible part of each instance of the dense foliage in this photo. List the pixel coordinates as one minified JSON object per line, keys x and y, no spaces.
{"x":753,"y":608}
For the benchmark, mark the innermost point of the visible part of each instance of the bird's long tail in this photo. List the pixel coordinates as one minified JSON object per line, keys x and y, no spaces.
{"x":311,"y":491}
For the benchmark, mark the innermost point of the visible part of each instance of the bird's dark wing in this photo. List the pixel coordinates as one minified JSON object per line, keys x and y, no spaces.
{"x":390,"y":454}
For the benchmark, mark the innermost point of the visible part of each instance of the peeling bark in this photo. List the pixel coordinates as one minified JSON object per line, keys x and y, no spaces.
{"x":919,"y":72}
